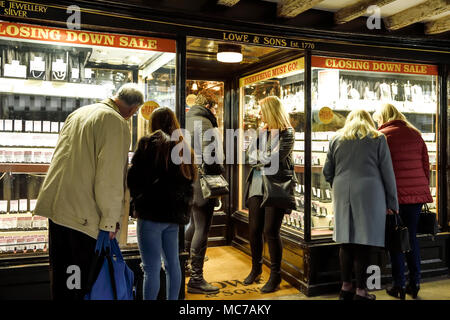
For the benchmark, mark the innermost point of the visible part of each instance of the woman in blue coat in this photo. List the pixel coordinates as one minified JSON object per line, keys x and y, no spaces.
{"x":359,"y":170}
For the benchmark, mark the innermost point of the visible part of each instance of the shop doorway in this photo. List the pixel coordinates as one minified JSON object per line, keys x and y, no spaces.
{"x":237,"y":92}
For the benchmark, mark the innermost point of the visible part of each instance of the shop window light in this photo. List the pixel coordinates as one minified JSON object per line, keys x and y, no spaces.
{"x":229,"y":53}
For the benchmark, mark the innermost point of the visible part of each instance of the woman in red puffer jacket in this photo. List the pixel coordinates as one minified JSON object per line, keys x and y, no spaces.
{"x":412,"y":170}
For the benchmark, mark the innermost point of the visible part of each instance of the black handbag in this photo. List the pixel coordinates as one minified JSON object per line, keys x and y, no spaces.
{"x":427,"y":221}
{"x":397,"y":235}
{"x":212,"y":185}
{"x":279,"y":191}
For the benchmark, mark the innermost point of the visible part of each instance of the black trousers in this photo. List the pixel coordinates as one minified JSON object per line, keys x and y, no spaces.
{"x":68,"y":247}
{"x":199,"y":225}
{"x":265,"y":221}
{"x":354,"y":257}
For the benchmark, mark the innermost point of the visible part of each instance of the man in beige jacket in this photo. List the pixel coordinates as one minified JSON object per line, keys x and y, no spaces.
{"x":83,"y":192}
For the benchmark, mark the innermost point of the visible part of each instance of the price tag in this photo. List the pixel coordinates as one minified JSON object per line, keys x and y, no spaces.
{"x":37,"y":126}
{"x":14,"y":206}
{"x":37,"y":64}
{"x":88,"y":73}
{"x":3,"y":206}
{"x":75,"y":74}
{"x":314,"y":192}
{"x":433,"y":192}
{"x":59,"y":66}
{"x":33,"y":204}
{"x":328,"y":194}
{"x":23,"y":205}
{"x":1,"y":125}
{"x":29,"y":126}
{"x":8,"y":125}
{"x":61,"y":125}
{"x":18,"y":125}
{"x":55,"y":127}
{"x":318,"y":193}
{"x":15,"y":70}
{"x":45,"y":126}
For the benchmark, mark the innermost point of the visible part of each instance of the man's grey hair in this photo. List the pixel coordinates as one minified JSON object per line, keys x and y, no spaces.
{"x":131,"y":94}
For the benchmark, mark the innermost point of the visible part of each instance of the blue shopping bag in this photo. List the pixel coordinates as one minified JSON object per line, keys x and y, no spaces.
{"x":115,"y":279}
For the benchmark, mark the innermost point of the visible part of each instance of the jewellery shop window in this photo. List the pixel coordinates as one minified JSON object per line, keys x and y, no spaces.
{"x":285,"y":81}
{"x":342,"y":85}
{"x":45,"y":74}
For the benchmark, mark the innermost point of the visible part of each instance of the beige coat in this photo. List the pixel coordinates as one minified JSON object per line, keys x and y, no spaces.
{"x":85,"y":185}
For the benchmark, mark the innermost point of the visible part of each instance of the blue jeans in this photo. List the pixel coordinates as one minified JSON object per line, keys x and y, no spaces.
{"x":410,"y":215}
{"x":156,"y":239}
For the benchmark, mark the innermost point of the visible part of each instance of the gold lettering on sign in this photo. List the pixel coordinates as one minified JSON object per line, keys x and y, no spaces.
{"x":21,"y":9}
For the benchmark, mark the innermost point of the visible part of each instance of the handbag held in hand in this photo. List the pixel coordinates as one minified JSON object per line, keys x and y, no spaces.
{"x":115,"y":279}
{"x":397,"y":235}
{"x":427,"y":222}
{"x":213,"y":186}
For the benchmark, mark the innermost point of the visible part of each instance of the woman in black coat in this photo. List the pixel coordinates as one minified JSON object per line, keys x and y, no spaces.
{"x":161,"y":194}
{"x":270,"y":189}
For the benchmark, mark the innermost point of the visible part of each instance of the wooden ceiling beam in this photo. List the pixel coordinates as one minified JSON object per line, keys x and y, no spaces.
{"x":417,"y":13}
{"x":357,"y":10}
{"x":440,"y":25}
{"x":228,"y":3}
{"x":292,"y":8}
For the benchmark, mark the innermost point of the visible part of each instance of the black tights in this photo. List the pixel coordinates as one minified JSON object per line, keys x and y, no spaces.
{"x":265,"y":221}
{"x":199,"y":225}
{"x":354,"y":256}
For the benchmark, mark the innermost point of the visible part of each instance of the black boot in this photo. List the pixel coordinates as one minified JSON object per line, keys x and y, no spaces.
{"x":413,"y":289}
{"x":273,"y":284}
{"x":187,"y":266}
{"x":255,"y":274}
{"x":397,"y":292}
{"x":197,"y":283}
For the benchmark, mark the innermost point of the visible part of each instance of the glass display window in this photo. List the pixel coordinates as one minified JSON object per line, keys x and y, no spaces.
{"x":341,"y":85}
{"x":287,"y":82}
{"x":47,"y":73}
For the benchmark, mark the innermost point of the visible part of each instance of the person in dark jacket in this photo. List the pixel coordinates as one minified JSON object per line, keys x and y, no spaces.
{"x":266,"y":203}
{"x":412,"y":174}
{"x":201,"y":123}
{"x":161,"y":194}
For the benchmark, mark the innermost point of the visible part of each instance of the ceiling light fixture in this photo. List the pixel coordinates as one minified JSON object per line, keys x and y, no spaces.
{"x":229,"y":53}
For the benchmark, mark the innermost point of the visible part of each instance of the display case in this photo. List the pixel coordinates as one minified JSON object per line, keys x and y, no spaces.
{"x":342,"y":85}
{"x":45,"y":74}
{"x":338,"y":86}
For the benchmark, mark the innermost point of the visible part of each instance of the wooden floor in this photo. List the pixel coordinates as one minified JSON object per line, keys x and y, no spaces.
{"x":227,"y":267}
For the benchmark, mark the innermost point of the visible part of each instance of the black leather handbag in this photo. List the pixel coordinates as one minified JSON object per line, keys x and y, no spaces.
{"x":427,"y":221}
{"x":279,"y":191}
{"x":213,"y":185}
{"x":397,"y":235}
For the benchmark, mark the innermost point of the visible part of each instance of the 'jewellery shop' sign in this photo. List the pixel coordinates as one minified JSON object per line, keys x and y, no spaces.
{"x":32,"y":32}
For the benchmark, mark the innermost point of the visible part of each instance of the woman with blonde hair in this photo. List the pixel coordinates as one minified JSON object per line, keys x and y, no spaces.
{"x":359,"y":170}
{"x":412,"y":173}
{"x":270,"y":195}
